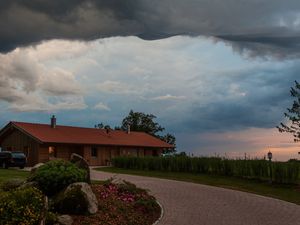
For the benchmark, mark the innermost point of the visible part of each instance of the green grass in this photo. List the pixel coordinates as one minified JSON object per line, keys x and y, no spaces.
{"x":6,"y":174}
{"x":290,"y":193}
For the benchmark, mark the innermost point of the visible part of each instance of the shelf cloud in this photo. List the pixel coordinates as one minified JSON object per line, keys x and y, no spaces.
{"x":257,"y":28}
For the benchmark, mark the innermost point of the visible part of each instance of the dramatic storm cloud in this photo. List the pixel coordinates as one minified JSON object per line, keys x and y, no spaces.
{"x":269,"y":27}
{"x":216,"y":73}
{"x":186,"y":81}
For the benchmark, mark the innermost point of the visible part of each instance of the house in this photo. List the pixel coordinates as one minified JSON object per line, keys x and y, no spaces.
{"x":43,"y":142}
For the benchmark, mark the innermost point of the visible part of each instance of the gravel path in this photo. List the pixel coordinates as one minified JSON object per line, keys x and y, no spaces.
{"x":195,"y":204}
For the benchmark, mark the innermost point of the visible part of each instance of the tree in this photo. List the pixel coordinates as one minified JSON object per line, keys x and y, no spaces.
{"x":181,"y":154}
{"x":139,"y":121}
{"x":293,"y":114}
{"x":170,"y":139}
{"x":102,"y":126}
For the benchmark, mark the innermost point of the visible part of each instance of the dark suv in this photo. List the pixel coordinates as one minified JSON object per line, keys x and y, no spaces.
{"x":12,"y":159}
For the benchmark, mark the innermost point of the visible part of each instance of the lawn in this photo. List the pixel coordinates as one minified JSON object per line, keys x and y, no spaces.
{"x":290,"y":193}
{"x":6,"y":174}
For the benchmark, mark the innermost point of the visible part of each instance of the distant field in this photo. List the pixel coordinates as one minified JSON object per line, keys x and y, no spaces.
{"x":6,"y":174}
{"x":290,"y":193}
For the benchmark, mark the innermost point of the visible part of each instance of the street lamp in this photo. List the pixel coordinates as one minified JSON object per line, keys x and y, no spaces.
{"x":270,"y":155}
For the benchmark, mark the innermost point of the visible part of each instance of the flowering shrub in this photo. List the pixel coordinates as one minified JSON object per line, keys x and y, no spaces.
{"x":122,"y":192}
{"x":21,"y":206}
{"x":122,"y":204}
{"x":56,"y":175}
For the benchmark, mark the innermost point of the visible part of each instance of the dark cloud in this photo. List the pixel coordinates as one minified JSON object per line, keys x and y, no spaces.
{"x":275,"y":23}
{"x":260,"y":100}
{"x":254,"y":45}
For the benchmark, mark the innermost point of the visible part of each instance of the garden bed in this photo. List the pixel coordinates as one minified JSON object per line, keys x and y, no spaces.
{"x":23,"y":201}
{"x":121,"y":204}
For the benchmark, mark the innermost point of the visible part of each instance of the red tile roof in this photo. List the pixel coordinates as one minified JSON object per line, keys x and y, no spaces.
{"x":92,"y":136}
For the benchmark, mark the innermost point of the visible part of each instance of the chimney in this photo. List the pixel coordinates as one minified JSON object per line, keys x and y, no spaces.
{"x":53,"y":122}
{"x":128,"y":129}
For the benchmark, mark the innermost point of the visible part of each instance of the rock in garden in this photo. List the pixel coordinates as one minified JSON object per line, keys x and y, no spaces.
{"x":35,"y":167}
{"x":78,"y":198}
{"x":65,"y":220}
{"x":29,"y":184}
{"x":82,"y":164}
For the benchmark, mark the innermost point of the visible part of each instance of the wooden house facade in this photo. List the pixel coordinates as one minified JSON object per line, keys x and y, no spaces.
{"x":43,"y":142}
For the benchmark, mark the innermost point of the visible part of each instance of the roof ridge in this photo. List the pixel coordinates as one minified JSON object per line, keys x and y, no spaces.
{"x":58,"y":125}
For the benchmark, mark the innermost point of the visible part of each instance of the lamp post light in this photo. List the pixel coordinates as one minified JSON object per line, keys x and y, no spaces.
{"x":270,"y":155}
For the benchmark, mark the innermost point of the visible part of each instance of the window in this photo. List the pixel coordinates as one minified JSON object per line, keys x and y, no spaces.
{"x":52,"y":152}
{"x":94,"y":152}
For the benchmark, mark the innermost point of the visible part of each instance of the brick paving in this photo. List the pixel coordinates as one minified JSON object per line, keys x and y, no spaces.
{"x":195,"y":204}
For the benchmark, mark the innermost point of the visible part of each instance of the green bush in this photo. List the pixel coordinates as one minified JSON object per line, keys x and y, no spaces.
{"x":56,"y":175}
{"x":51,"y":218}
{"x":21,"y":206}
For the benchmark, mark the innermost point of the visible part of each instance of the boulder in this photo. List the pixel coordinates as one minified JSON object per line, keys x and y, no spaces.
{"x":79,"y":161}
{"x":35,"y":167}
{"x":65,"y":220}
{"x":29,"y":184}
{"x":77,"y":198}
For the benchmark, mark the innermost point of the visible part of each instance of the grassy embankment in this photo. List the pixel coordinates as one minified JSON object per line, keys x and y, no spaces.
{"x":6,"y":174}
{"x":290,"y":193}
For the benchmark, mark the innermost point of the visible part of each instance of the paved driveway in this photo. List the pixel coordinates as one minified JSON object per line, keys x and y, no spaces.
{"x":194,"y":204}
